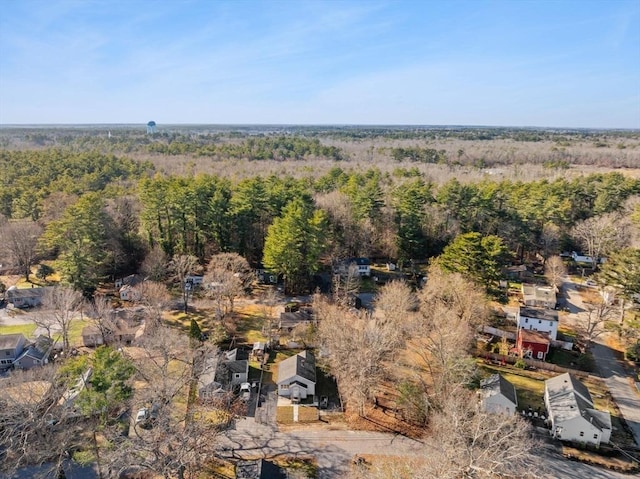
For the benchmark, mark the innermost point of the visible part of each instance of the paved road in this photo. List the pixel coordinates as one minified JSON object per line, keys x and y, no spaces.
{"x":613,"y":373}
{"x":335,"y":449}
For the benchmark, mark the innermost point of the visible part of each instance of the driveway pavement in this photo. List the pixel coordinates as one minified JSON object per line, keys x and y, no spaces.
{"x":611,"y":370}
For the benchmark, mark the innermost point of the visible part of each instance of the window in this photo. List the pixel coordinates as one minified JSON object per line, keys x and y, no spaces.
{"x":526,"y":320}
{"x":237,"y":375}
{"x":551,"y":323}
{"x":595,"y":436}
{"x":540,"y":355}
{"x":581,"y":433}
{"x":284,"y":386}
{"x":539,"y":321}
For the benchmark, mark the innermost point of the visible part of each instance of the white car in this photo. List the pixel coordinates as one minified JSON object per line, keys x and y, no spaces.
{"x":142,"y":416}
{"x":245,"y":391}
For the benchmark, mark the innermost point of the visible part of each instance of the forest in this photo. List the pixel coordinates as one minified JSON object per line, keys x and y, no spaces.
{"x":108,"y":203}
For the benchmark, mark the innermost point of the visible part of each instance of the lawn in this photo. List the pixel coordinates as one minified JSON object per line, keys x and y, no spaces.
{"x":529,"y":385}
{"x":26,"y":329}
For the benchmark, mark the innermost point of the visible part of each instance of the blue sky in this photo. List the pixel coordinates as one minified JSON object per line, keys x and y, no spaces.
{"x":460,"y":62}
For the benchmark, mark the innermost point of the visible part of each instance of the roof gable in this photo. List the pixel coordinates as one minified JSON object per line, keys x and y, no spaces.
{"x":496,"y":384}
{"x":11,"y":341}
{"x":302,"y":364}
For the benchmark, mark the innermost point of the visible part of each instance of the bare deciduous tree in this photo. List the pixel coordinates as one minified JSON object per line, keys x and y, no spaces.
{"x":19,"y":240}
{"x":358,"y":346}
{"x":228,"y":276}
{"x":600,"y":235}
{"x":31,"y":423}
{"x":60,"y":306}
{"x":346,"y":286}
{"x":155,"y":264}
{"x":155,"y":297}
{"x":101,"y":315}
{"x":182,"y":266}
{"x":591,"y":323}
{"x":555,"y":270}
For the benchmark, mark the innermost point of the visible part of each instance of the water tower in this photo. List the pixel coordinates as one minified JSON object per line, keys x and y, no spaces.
{"x":151,"y":128}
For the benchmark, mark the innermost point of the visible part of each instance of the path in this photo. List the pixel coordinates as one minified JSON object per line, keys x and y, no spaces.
{"x":611,"y":370}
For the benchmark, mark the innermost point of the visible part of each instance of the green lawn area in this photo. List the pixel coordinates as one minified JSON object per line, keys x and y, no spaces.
{"x":75,"y":332}
{"x":529,"y":387}
{"x":26,"y":329}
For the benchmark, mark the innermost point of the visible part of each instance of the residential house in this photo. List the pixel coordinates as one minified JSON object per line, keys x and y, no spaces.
{"x":517,"y":272}
{"x":92,"y":337}
{"x":34,"y":355}
{"x":533,"y":344}
{"x":588,"y":260}
{"x":11,"y":347}
{"x":131,"y":280}
{"x":130,"y":293}
{"x":222,"y":373}
{"x":572,"y":413}
{"x":25,"y":297}
{"x":258,"y":469}
{"x":539,"y":296}
{"x":498,"y":395}
{"x":538,"y":319}
{"x":289,"y":320}
{"x":297,"y":376}
{"x":362,"y":265}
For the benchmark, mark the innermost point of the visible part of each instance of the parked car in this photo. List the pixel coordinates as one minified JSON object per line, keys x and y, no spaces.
{"x":245,"y":391}
{"x":142,"y":416}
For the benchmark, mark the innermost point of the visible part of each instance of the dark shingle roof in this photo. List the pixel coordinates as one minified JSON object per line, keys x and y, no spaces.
{"x":496,"y":384}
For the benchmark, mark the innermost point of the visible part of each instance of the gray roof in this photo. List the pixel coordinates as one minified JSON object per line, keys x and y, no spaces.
{"x":302,"y":364}
{"x":33,"y":352}
{"x":291,"y":320}
{"x":241,"y":366}
{"x":24,"y":293}
{"x":538,"y":293}
{"x":10,"y":341}
{"x":539,"y":313}
{"x":569,"y":398}
{"x":567,"y":383}
{"x":496,"y":384}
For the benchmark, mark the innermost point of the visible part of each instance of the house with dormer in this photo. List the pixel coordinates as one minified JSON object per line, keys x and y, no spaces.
{"x":572,"y":413}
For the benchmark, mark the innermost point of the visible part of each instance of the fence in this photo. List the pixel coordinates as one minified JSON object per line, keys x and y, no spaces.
{"x":534,"y":363}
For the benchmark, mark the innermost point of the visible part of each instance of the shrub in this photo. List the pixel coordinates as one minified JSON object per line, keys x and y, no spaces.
{"x":520,"y":364}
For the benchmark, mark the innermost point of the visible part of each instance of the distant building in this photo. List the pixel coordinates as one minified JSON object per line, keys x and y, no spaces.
{"x":151,"y":128}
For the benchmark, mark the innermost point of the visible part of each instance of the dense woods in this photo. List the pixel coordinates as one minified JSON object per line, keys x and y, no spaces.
{"x":103,"y":212}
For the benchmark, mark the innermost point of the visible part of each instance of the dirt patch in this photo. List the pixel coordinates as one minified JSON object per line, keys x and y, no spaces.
{"x":383,"y":420}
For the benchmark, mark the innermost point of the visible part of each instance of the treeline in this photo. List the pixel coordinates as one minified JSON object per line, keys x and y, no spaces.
{"x":29,"y":177}
{"x":107,"y":214}
{"x":259,"y":148}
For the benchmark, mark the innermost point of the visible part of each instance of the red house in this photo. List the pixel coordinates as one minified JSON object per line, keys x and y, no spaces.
{"x":533,"y":344}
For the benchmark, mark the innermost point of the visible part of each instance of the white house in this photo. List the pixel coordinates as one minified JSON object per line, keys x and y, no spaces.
{"x":498,"y":395}
{"x":130,"y":293}
{"x":363,"y":266}
{"x":297,"y":376}
{"x":572,"y":413}
{"x":538,"y":319}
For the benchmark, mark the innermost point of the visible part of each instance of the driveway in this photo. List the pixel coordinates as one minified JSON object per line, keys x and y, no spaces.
{"x":610,"y":369}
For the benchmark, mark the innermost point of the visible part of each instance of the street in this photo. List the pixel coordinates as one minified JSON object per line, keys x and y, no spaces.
{"x":612,"y":372}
